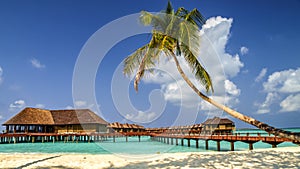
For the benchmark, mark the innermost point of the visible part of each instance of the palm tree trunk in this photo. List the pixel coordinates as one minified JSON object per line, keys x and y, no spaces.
{"x":263,"y":126}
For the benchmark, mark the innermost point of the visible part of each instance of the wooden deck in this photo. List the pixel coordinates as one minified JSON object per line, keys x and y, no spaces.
{"x":165,"y":138}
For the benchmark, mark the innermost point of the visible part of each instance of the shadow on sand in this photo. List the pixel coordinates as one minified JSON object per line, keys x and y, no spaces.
{"x":250,"y":159}
{"x":37,"y":161}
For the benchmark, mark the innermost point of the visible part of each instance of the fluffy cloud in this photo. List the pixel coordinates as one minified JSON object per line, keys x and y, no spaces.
{"x":231,"y":88}
{"x":265,"y":106}
{"x":37,"y":64}
{"x":261,"y":75}
{"x":82,"y":104}
{"x":220,"y":65}
{"x":291,"y":103}
{"x":41,"y":106}
{"x":1,"y":73}
{"x":283,"y":89}
{"x":16,"y":105}
{"x":287,"y":81}
{"x":69,"y":107}
{"x":141,"y":117}
{"x":244,"y":50}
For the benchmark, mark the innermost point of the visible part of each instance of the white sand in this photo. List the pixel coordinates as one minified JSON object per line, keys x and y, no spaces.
{"x":287,"y":157}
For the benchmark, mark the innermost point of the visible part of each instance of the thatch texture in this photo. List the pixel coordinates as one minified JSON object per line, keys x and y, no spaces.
{"x":117,"y":125}
{"x":78,"y":116}
{"x":35,"y":116}
{"x":31,"y":116}
{"x":218,"y":120}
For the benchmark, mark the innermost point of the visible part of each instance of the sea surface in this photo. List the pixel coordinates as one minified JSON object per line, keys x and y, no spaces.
{"x":133,"y":146}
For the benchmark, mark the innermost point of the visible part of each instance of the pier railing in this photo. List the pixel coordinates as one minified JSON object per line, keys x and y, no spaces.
{"x":168,"y":138}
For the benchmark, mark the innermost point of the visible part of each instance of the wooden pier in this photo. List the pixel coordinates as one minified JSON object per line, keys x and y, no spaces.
{"x":250,"y":140}
{"x":173,"y":139}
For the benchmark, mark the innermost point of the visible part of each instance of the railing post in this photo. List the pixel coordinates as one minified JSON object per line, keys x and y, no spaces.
{"x":206,"y":144}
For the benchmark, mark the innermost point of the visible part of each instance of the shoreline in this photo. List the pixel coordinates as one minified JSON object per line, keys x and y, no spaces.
{"x":283,"y":157}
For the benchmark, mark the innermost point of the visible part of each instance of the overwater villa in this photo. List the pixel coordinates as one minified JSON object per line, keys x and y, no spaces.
{"x":218,"y":125}
{"x":119,"y":127}
{"x":212,"y":126}
{"x":34,"y":120}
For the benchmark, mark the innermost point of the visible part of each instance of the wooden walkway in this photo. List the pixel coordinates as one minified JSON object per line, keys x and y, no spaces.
{"x":169,"y":139}
{"x":172,"y":139}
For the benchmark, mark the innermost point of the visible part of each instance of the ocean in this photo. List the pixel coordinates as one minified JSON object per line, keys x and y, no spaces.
{"x":133,"y":146}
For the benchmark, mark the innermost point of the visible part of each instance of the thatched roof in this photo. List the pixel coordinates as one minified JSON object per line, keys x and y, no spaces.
{"x":32,"y":116}
{"x":76,"y":116}
{"x":218,"y":120}
{"x":118,"y":125}
{"x":35,"y":116}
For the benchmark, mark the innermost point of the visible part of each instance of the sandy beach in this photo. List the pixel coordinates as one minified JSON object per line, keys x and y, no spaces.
{"x":287,"y":157}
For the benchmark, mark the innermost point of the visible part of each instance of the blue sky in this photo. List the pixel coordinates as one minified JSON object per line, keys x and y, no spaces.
{"x":250,"y":47}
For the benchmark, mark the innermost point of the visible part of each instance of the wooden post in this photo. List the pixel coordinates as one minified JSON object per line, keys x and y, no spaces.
{"x":139,"y":138}
{"x":171,"y":141}
{"x":15,"y":140}
{"x":176,"y":141}
{"x":43,"y":139}
{"x":274,"y":145}
{"x":189,"y":142}
{"x":182,"y":142}
{"x":33,"y":138}
{"x":232,"y":146}
{"x":250,"y":146}
{"x":206,"y":144}
{"x":197,"y":143}
{"x":114,"y":138}
{"x":126,"y":138}
{"x":168,"y":140}
{"x":218,"y":145}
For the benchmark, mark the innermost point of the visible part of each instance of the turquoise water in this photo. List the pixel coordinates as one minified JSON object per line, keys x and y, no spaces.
{"x":146,"y":146}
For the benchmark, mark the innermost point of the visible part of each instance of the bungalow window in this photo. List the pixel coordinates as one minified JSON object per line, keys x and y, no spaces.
{"x":40,"y":129}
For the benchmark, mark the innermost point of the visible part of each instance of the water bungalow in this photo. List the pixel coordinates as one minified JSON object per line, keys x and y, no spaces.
{"x":218,"y":126}
{"x":39,"y":125}
{"x":34,"y":120}
{"x":121,"y":128}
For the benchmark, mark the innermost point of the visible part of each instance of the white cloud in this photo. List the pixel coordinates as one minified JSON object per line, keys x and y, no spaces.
{"x":264,"y":107}
{"x":282,"y":84}
{"x":231,"y":88}
{"x":261,"y":75}
{"x":37,"y":64}
{"x":69,"y":107}
{"x":16,"y":105}
{"x":244,"y":50}
{"x":220,"y":65}
{"x":1,"y":73}
{"x":287,"y":81}
{"x":141,"y":117}
{"x":291,"y":103}
{"x":80,"y":103}
{"x":41,"y":106}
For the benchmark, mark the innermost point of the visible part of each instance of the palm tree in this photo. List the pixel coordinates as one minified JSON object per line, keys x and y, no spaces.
{"x":176,"y":34}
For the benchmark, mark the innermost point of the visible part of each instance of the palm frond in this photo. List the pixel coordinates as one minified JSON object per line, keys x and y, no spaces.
{"x":188,"y":35}
{"x":148,"y":61}
{"x":133,"y":61}
{"x":181,"y":12}
{"x":169,"y":9}
{"x":158,"y":22}
{"x":199,"y":72}
{"x":195,"y":17}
